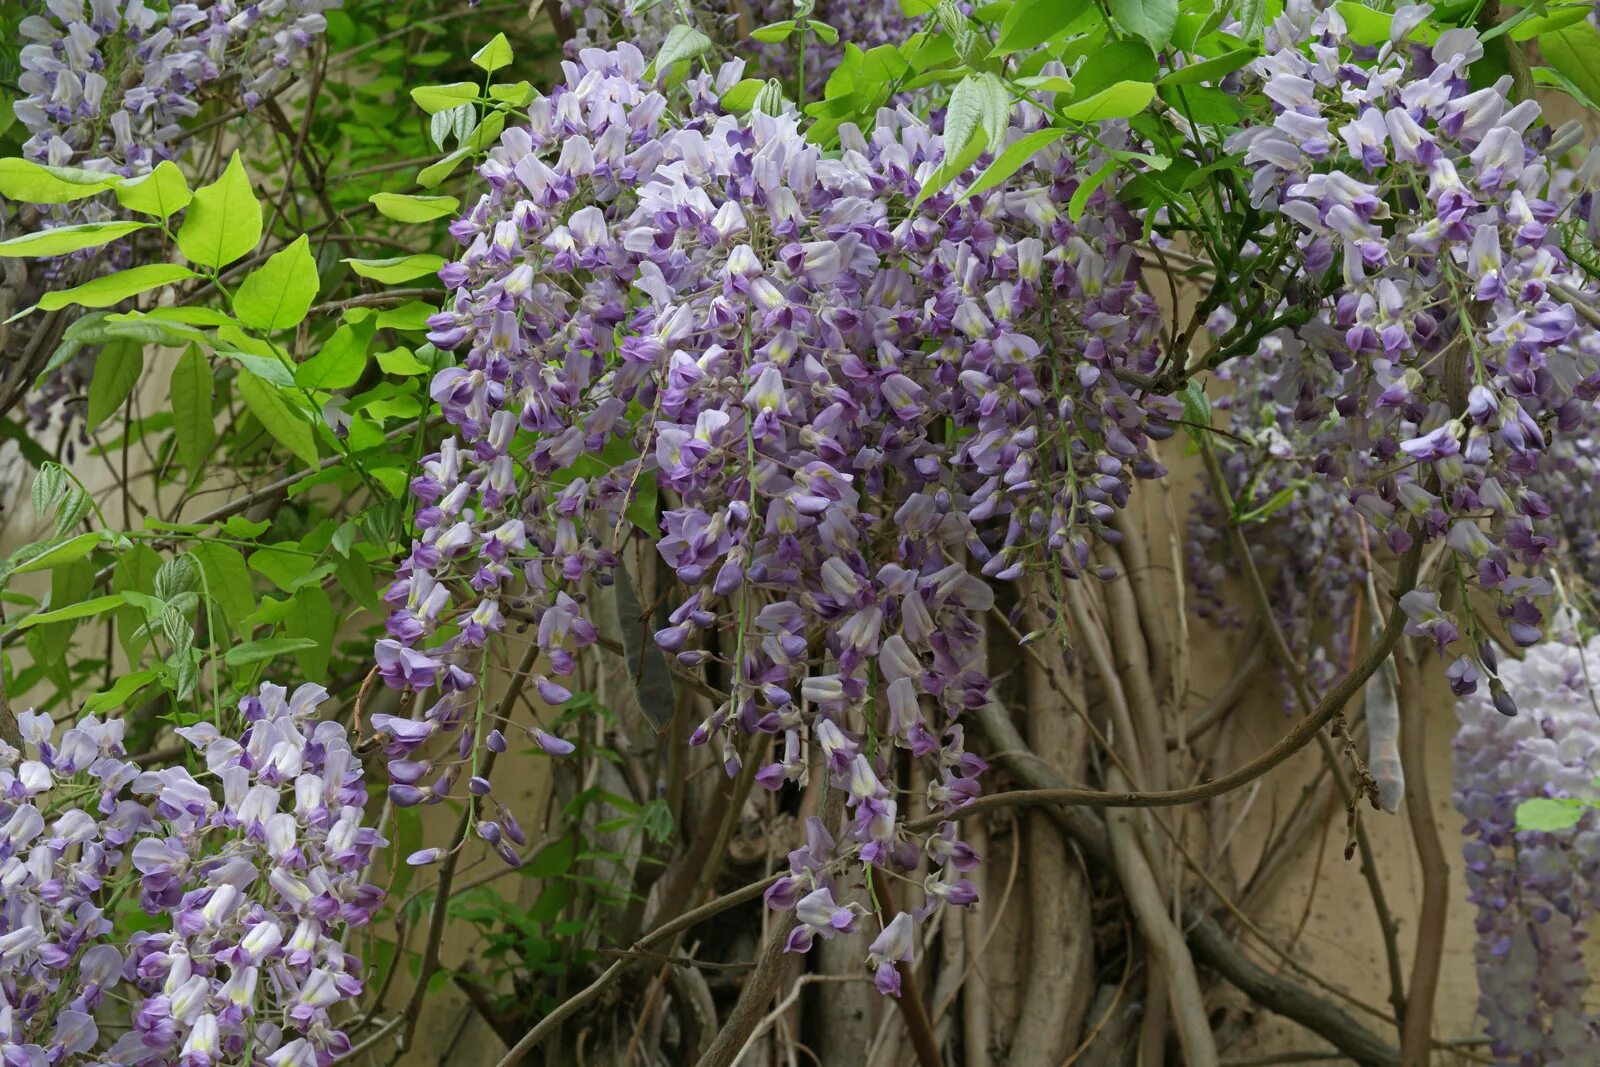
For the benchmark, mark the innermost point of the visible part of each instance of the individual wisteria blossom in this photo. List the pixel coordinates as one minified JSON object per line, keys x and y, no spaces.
{"x":863,"y":415}
{"x":1536,"y":892}
{"x":250,"y":869}
{"x":108,"y":84}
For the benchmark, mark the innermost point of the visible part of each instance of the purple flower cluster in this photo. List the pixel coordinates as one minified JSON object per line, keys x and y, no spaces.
{"x":109,"y":83}
{"x":860,"y":413}
{"x":1443,"y":354}
{"x":250,"y":871}
{"x":1536,"y":892}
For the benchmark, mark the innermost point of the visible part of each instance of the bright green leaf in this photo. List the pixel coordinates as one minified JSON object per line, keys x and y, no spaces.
{"x":436,"y":98}
{"x":116,"y":372}
{"x":162,"y":193}
{"x":193,"y":413}
{"x":1123,"y":100}
{"x":494,"y":55}
{"x":401,"y":361}
{"x":115,"y":288}
{"x":285,"y":422}
{"x":82,"y":610}
{"x":342,"y":359}
{"x":121,"y":691}
{"x":742,"y":97}
{"x":404,"y":208}
{"x":1007,"y":163}
{"x":517,"y":94}
{"x":66,"y":552}
{"x":774,"y":33}
{"x":277,"y":294}
{"x":1086,"y":188}
{"x":399,"y":269}
{"x":1365,"y":25}
{"x":1549,"y":814}
{"x":224,"y":220}
{"x":59,"y":240}
{"x":33,"y":183}
{"x":1574,"y":51}
{"x":434,"y":173}
{"x":682,"y":43}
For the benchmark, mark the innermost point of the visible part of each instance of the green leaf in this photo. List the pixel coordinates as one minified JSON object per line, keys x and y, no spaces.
{"x":683,"y":43}
{"x":121,"y":691}
{"x":277,"y":294}
{"x":269,"y":368}
{"x":436,"y":98}
{"x":1365,"y":25}
{"x":1114,"y":62}
{"x":1524,"y":29}
{"x":33,"y":183}
{"x":311,"y":618}
{"x":82,"y":610}
{"x":1275,"y":503}
{"x":1123,"y":100}
{"x":1007,"y":163}
{"x":1032,"y":22}
{"x":401,"y":361}
{"x":10,"y":431}
{"x":162,"y":193}
{"x":517,"y":94}
{"x":342,"y":359}
{"x":774,"y":33}
{"x":974,"y":111}
{"x":263,"y":650}
{"x":224,"y":220}
{"x":553,"y":860}
{"x":1196,"y":410}
{"x":116,"y":372}
{"x":59,"y":240}
{"x":1154,"y":20}
{"x":825,"y":33}
{"x":1252,"y":20}
{"x":282,"y":565}
{"x":1574,"y":51}
{"x":134,"y":573}
{"x":1086,"y":188}
{"x":434,"y":173}
{"x":282,"y":420}
{"x":65,"y":552}
{"x":742,"y":97}
{"x":228,"y":581}
{"x":1550,"y":814}
{"x":1209,"y":69}
{"x":193,"y":414}
{"x":403,"y":208}
{"x":115,"y":288}
{"x":494,"y":55}
{"x":398,"y":269}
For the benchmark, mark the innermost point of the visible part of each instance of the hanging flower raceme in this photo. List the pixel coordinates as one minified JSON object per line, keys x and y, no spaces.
{"x":1422,"y":233}
{"x":109,"y":83}
{"x":250,"y":869}
{"x":1536,"y":892}
{"x":862,"y":413}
